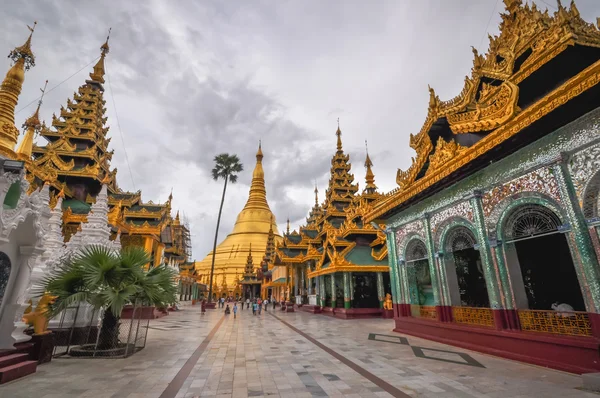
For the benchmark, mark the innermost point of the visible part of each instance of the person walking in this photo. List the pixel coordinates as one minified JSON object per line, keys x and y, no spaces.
{"x":247,"y":303}
{"x":274,"y":302}
{"x":234,"y":310}
{"x":203,"y":307}
{"x":266,"y":305}
{"x":254,"y":307}
{"x":259,"y":306}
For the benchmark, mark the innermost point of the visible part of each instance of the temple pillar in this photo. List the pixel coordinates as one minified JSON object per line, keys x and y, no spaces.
{"x":322,"y":291}
{"x":302,"y":281}
{"x":347,"y":276}
{"x":397,"y":293}
{"x":333,"y":297}
{"x":442,"y":310}
{"x":495,"y":273}
{"x":582,"y":249}
{"x":380,"y":289}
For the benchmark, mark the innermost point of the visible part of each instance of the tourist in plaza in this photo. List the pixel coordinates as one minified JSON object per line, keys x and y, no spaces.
{"x":203,"y":307}
{"x":247,"y":303}
{"x":254,"y":308}
{"x":266,"y":304}
{"x":235,"y":308}
{"x":259,"y":304}
{"x":274,"y":303}
{"x":227,"y":310}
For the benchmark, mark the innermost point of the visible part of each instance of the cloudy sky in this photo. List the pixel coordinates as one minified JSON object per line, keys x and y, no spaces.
{"x":191,"y":79}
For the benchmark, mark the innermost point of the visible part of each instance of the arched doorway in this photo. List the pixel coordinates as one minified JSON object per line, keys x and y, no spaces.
{"x":418,"y":265}
{"x":469,"y":289}
{"x":5,"y":268}
{"x":543,"y":255}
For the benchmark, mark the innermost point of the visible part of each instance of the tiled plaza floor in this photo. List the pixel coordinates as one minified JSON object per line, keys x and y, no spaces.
{"x":262,"y":356}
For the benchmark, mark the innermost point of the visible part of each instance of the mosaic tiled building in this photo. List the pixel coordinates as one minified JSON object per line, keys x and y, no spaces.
{"x":493,"y":231}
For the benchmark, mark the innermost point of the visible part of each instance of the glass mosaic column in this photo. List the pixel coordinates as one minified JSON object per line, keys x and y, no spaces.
{"x":333,"y":298}
{"x":397,"y":294}
{"x":435,"y":283}
{"x":322,"y":291}
{"x":380,"y":289}
{"x":347,"y":276}
{"x":487,"y":262}
{"x":584,"y":256}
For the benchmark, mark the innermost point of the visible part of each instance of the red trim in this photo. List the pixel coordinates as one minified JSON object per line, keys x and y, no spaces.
{"x":570,"y":354}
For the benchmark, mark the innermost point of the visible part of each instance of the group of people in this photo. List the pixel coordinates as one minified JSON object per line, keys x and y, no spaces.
{"x":257,"y":306}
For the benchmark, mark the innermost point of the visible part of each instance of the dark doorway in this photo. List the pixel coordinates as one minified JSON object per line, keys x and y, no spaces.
{"x":365,"y":290}
{"x":469,"y":271}
{"x":544,"y":257}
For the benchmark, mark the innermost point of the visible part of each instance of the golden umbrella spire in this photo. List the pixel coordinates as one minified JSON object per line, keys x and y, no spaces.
{"x":31,"y":126}
{"x":258,"y":193}
{"x":23,"y":59}
{"x":98,"y":74}
{"x":369,"y":177}
{"x":316,"y":194}
{"x":339,"y":137}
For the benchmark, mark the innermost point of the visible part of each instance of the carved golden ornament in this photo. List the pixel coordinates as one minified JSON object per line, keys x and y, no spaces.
{"x":568,"y":90}
{"x":444,"y":152}
{"x":495,"y":106}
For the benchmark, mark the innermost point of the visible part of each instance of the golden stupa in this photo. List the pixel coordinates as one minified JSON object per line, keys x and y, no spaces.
{"x":250,"y":233}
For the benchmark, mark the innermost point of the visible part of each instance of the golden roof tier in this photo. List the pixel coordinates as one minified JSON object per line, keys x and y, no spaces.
{"x":250,"y":233}
{"x":538,"y":64}
{"x":76,"y":152}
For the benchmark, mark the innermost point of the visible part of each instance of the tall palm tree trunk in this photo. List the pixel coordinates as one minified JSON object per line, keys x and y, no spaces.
{"x":212,"y":267}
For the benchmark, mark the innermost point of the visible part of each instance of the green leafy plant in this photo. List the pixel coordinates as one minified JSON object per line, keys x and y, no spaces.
{"x":109,"y":280}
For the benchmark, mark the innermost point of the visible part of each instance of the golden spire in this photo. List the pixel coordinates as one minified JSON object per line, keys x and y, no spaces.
{"x":98,"y":74}
{"x":369,"y":177}
{"x":339,"y":137}
{"x":258,"y":194}
{"x":316,"y":194}
{"x":9,"y":94}
{"x":32,"y":125}
{"x":288,"y":226}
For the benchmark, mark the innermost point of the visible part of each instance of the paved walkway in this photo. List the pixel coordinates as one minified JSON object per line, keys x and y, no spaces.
{"x":290,"y":355}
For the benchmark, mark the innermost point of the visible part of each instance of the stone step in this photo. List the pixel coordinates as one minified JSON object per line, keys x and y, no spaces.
{"x":16,"y":371}
{"x":12,"y":359}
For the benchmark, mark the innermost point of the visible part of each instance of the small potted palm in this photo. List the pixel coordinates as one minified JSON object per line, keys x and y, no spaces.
{"x":109,"y":281}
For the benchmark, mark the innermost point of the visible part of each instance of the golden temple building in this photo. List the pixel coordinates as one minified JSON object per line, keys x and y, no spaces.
{"x":75,"y":162}
{"x":248,"y":239}
{"x":336,"y":262}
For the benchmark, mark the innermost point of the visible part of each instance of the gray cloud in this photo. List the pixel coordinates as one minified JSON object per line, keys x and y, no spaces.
{"x":193,"y":79}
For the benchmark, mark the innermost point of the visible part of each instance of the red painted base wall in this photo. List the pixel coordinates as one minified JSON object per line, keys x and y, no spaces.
{"x":570,"y":354}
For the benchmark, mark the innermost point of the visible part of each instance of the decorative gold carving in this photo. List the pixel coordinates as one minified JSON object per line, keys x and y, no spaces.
{"x":570,"y":89}
{"x":528,"y":39}
{"x":494,"y":108}
{"x":444,"y":152}
{"x":473,"y":316}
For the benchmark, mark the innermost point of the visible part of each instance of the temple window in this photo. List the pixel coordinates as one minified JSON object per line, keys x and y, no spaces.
{"x":537,"y":248}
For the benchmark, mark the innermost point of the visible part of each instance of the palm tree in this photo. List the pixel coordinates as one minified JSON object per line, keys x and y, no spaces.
{"x":226,"y":167}
{"x":109,"y":280}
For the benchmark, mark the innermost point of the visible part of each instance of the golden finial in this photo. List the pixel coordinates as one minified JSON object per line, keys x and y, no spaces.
{"x":316,"y":194}
{"x":177,"y":216}
{"x":288,"y":226}
{"x":24,"y":52}
{"x":339,"y":136}
{"x":259,"y":154}
{"x":61,"y":194}
{"x":369,"y":177}
{"x":31,"y":126}
{"x":9,"y":95}
{"x":98,"y":74}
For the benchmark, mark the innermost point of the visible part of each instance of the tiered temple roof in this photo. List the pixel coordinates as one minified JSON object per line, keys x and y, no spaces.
{"x":335,"y":237}
{"x":75,"y":162}
{"x":541,"y":72}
